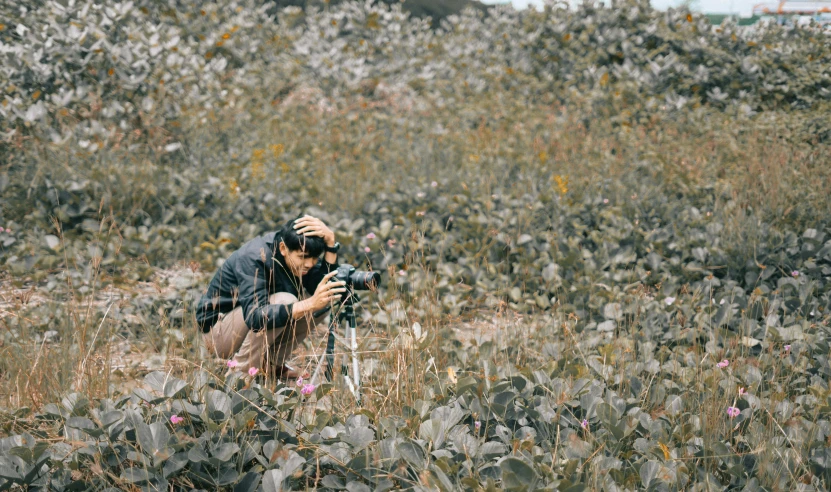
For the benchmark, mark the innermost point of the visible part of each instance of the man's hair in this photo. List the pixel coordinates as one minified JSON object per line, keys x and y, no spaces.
{"x":312,"y":245}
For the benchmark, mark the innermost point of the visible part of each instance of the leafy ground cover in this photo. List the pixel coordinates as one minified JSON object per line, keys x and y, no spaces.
{"x":603,"y":234}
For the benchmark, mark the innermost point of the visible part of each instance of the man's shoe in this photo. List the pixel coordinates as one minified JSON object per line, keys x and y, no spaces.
{"x":285,"y":372}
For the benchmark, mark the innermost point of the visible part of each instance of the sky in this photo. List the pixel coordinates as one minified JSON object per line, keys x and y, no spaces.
{"x":741,"y":7}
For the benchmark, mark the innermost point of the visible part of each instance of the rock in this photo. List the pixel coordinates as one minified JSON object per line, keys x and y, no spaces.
{"x":613,"y":311}
{"x":182,"y":281}
{"x":549,"y":273}
{"x":382,"y":318}
{"x":384,"y":228}
{"x":542,"y":302}
{"x":524,"y":239}
{"x":155,"y":362}
{"x":52,"y":241}
{"x":515,"y":294}
{"x":356,"y":225}
{"x":607,"y":325}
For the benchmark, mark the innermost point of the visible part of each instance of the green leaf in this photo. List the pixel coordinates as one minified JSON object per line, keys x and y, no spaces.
{"x":674,"y":404}
{"x":156,"y":381}
{"x":359,"y":438}
{"x":174,"y":388}
{"x":501,"y":402}
{"x":412,"y":453}
{"x":225,"y":451}
{"x":465,"y":384}
{"x":137,"y":475}
{"x":227,"y":475}
{"x":333,"y":482}
{"x":492,"y":449}
{"x":218,"y":405}
{"x":273,"y":481}
{"x":517,"y":473}
{"x":249,"y":482}
{"x":293,"y":464}
{"x":197,"y":454}
{"x":648,"y":472}
{"x":145,"y":438}
{"x":355,"y":486}
{"x":9,"y":473}
{"x":161,"y":435}
{"x":607,"y":414}
{"x":174,"y":464}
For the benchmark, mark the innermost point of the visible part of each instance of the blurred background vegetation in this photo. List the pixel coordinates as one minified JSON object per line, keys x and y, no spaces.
{"x":639,"y":178}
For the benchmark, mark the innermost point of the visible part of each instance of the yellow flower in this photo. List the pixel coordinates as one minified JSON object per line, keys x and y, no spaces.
{"x":277,"y":150}
{"x":257,"y":171}
{"x":562,"y":184}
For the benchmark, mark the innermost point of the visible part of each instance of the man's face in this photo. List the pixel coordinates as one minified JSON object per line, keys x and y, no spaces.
{"x":299,"y":262}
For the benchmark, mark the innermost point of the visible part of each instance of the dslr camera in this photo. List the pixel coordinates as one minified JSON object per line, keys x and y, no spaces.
{"x":357,"y":279}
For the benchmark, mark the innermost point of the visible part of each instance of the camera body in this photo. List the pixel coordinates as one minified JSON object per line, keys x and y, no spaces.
{"x":357,"y":279}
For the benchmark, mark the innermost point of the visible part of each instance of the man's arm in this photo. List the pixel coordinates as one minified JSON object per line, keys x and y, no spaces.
{"x":312,"y":226}
{"x":253,"y":297}
{"x":312,"y":279}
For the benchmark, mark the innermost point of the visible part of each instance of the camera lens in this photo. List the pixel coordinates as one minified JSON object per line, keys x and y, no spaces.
{"x":365,"y":280}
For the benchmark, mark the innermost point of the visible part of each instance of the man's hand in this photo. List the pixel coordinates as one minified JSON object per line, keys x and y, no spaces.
{"x":326,"y":292}
{"x":312,"y":226}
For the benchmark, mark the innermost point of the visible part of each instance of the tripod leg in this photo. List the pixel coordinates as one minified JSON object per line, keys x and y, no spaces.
{"x":356,"y":370}
{"x":329,"y":355}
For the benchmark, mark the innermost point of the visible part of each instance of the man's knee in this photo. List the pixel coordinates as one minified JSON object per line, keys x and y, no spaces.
{"x":282,"y":298}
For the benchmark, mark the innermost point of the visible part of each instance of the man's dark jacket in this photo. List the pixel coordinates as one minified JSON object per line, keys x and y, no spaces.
{"x":248,"y":277}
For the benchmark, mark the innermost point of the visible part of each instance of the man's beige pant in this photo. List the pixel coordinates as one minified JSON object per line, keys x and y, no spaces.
{"x":267,"y":350}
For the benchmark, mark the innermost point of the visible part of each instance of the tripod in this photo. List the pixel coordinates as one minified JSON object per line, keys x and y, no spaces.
{"x":345,"y":317}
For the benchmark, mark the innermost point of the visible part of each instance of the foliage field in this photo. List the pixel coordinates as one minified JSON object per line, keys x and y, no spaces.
{"x":603,"y":234}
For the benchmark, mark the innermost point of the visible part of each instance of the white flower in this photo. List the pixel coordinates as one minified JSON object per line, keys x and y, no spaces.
{"x":669,"y":300}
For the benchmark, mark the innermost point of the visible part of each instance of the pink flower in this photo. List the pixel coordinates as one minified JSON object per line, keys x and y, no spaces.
{"x":402,"y":273}
{"x":2,"y":230}
{"x":299,"y":382}
{"x":787,"y":348}
{"x":723,"y":363}
{"x":795,"y":273}
{"x":434,"y":184}
{"x":232,"y":363}
{"x":477,"y":425}
{"x":253,"y":371}
{"x":308,"y":389}
{"x":420,"y":194}
{"x":390,"y":242}
{"x":605,"y":201}
{"x":367,"y":249}
{"x":733,"y":412}
{"x":175,"y":419}
{"x":371,"y":235}
{"x":584,"y":424}
{"x":742,"y":392}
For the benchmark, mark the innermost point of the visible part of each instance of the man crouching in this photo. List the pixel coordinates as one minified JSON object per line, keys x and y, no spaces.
{"x":258,"y":308}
